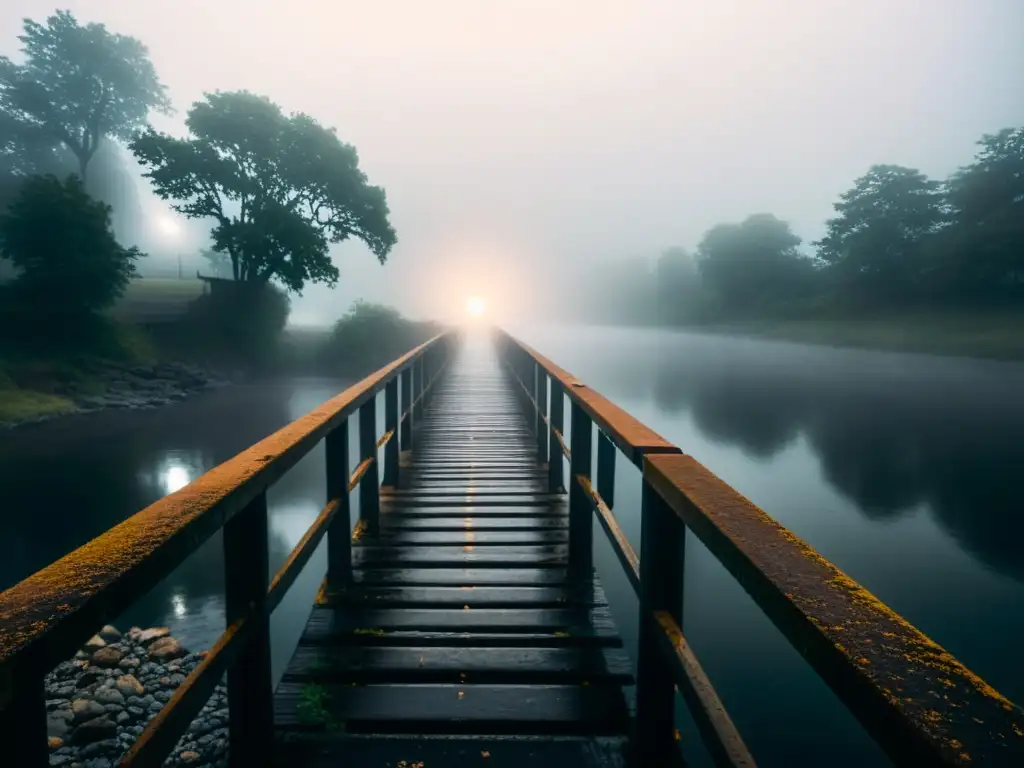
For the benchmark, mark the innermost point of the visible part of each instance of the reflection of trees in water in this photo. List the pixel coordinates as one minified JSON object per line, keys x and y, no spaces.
{"x":891,"y":432}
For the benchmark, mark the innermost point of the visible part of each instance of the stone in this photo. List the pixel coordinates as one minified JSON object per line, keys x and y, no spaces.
{"x":88,"y":678}
{"x":86,"y":709}
{"x":97,"y":729}
{"x":122,"y":718}
{"x":128,"y":664}
{"x":147,"y":636}
{"x":156,"y":706}
{"x":110,"y":634}
{"x":165,"y":648}
{"x":129,"y":686}
{"x":165,"y":680}
{"x":93,"y":644}
{"x":164,"y":696}
{"x":189,"y":757}
{"x":136,"y":711}
{"x":107,"y":657}
{"x":58,"y":724}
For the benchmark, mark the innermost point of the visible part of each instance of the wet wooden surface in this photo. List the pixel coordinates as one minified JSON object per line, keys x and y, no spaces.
{"x":463,"y":640}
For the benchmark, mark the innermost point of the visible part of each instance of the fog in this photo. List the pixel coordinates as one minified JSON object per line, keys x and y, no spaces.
{"x":522,"y":143}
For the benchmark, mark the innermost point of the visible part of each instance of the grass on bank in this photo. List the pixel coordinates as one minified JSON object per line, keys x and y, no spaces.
{"x":994,"y":335}
{"x":17,"y":405}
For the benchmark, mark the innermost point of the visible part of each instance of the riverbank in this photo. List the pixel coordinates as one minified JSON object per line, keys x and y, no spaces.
{"x":99,"y":702}
{"x":997,"y":336}
{"x":37,"y":391}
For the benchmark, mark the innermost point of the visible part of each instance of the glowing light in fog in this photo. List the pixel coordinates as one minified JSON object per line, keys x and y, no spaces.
{"x":175,"y":477}
{"x":178,"y":604}
{"x":168,"y":226}
{"x":476,"y":306}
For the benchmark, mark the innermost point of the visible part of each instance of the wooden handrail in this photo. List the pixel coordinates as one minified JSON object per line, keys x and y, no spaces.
{"x":48,"y":616}
{"x":918,"y":702}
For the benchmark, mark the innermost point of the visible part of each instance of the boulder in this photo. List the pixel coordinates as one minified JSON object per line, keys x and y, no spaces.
{"x":97,"y":729}
{"x":147,"y":636}
{"x":129,"y":686}
{"x":110,"y":634}
{"x":109,"y":696}
{"x":107,"y":657}
{"x":86,"y":709}
{"x":93,"y":644}
{"x":165,"y":649}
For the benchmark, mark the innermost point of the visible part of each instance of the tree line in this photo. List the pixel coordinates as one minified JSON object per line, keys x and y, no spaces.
{"x":278,"y":189}
{"x":898,"y":240}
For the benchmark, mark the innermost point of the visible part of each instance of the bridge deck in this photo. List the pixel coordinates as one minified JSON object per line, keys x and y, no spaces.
{"x":463,"y":641}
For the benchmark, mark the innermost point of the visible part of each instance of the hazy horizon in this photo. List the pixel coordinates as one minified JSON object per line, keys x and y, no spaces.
{"x":519,"y":144}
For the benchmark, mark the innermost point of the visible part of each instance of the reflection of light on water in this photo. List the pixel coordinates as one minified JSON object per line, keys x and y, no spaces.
{"x":174,"y":477}
{"x":178,"y":604}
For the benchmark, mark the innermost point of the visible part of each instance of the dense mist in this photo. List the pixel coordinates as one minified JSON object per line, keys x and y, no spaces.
{"x":526,"y":150}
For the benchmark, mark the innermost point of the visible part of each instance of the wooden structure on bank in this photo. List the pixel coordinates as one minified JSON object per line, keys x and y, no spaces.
{"x":462,"y":623}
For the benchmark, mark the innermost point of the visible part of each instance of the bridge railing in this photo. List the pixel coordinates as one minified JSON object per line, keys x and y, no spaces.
{"x":47,"y":617}
{"x":919,"y":703}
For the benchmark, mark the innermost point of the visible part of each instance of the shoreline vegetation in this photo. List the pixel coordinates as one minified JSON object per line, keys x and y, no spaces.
{"x":982,"y":335}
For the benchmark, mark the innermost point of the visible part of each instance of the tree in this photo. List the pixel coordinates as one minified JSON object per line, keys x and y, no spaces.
{"x":875,"y":243}
{"x":281,"y":188}
{"x":678,"y":286}
{"x":220,"y":264}
{"x":754,"y":264}
{"x":71,"y":266}
{"x":80,"y":84}
{"x":982,"y":253}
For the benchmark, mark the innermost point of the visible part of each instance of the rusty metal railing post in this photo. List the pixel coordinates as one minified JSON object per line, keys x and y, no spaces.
{"x":605,"y":468}
{"x":369,"y":486}
{"x":541,"y":390}
{"x":391,"y":426}
{"x":339,"y":534}
{"x":556,"y":483}
{"x":23,"y":720}
{"x":581,"y":524}
{"x":406,"y":428}
{"x":250,"y":687}
{"x":662,"y":547}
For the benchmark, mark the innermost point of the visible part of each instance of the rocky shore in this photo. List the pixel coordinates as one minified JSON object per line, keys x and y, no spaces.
{"x":99,"y":702}
{"x":138,"y":387}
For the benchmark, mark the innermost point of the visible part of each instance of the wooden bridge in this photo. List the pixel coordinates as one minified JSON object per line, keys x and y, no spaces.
{"x":460,"y":621}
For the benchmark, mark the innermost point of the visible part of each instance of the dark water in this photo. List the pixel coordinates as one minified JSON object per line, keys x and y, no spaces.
{"x":903,"y":470}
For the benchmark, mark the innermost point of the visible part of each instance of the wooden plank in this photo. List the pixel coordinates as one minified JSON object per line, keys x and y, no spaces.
{"x":512,"y":709}
{"x":429,"y":664}
{"x":477,"y":597}
{"x":461,"y":556}
{"x":452,"y":523}
{"x":446,"y":577}
{"x":315,"y":751}
{"x":462,"y":536}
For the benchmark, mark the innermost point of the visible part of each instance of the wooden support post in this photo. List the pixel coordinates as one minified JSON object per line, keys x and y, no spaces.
{"x":369,"y":486}
{"x":662,"y":548}
{"x":532,"y":382}
{"x":391,"y":425}
{"x":581,"y":518}
{"x":606,"y":468}
{"x":23,"y":721}
{"x":556,"y":484}
{"x":406,"y":429}
{"x":541,"y":391}
{"x":339,"y":534}
{"x":250,"y":688}
{"x":420,"y":387}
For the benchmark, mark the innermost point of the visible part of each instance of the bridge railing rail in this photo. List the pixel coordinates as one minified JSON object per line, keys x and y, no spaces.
{"x":920,"y":704}
{"x":47,"y":617}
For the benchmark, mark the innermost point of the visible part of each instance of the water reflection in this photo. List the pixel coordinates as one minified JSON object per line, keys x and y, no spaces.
{"x":892,"y":433}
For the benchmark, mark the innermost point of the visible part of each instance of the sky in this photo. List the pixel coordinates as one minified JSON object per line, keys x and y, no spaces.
{"x":521,"y":142}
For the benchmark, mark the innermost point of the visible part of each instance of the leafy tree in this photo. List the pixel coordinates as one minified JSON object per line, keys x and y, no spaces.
{"x":982,"y":254}
{"x":370,"y":335}
{"x":281,"y":188}
{"x":80,"y":84}
{"x":875,"y":243}
{"x":753,"y":264}
{"x":220,"y":263}
{"x":71,"y":266}
{"x":678,"y":286}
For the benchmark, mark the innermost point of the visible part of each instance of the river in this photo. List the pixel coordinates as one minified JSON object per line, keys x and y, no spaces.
{"x":901,"y":469}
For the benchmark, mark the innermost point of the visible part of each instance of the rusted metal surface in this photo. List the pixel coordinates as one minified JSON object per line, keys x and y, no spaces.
{"x":46,"y":618}
{"x":385,"y":438}
{"x":921,"y":704}
{"x":561,"y":443}
{"x":632,"y":437}
{"x":717,"y":730}
{"x":358,"y":472}
{"x":620,"y":544}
